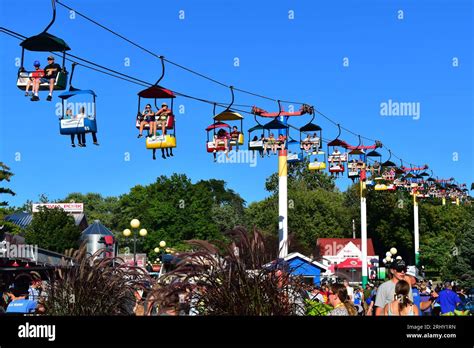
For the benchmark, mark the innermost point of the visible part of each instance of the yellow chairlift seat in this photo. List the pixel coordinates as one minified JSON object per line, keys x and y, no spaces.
{"x":240,"y":140}
{"x":59,"y":84}
{"x":161,"y":142}
{"x":316,"y":165}
{"x":380,"y":187}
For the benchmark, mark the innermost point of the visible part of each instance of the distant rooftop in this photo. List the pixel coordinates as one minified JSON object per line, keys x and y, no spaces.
{"x":96,"y":228}
{"x":23,"y":219}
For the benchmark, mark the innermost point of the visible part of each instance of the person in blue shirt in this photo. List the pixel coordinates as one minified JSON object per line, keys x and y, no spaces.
{"x":412,"y":276}
{"x":448,"y":299}
{"x":20,"y":304}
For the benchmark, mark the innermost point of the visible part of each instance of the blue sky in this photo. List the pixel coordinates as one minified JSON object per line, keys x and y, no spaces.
{"x":403,"y":60}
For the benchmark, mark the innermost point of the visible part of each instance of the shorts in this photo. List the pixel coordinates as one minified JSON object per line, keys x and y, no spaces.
{"x":149,"y":119}
{"x":46,"y":79}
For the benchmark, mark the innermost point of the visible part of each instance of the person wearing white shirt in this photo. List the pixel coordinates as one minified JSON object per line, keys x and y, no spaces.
{"x":350,"y":290}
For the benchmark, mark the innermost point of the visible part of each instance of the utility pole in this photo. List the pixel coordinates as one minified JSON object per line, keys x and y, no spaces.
{"x":283,"y":195}
{"x":416,"y":229}
{"x":283,"y":203}
{"x":363,"y":231}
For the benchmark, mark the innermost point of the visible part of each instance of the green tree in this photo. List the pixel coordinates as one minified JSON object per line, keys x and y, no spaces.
{"x":53,"y":229}
{"x":228,"y":207}
{"x":175,"y":210}
{"x":460,"y":262}
{"x":5,"y":175}
{"x":300,"y":177}
{"x":315,"y":209}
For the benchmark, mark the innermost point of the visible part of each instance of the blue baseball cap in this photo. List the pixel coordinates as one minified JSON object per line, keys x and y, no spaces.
{"x":36,"y":63}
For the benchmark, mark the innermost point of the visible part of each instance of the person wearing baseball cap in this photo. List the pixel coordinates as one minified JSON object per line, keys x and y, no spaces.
{"x":412,"y":276}
{"x":51,"y":71}
{"x":386,"y":291}
{"x":34,"y":76}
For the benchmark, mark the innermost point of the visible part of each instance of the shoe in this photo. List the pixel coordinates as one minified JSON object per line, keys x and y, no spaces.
{"x":96,"y":143}
{"x":171,"y":155}
{"x":27,"y":94}
{"x":80,"y":145}
{"x":163,"y":156}
{"x":140,"y":135}
{"x":35,"y":98}
{"x":154,"y":157}
{"x":48,"y":98}
{"x":167,"y":155}
{"x":73,"y":145}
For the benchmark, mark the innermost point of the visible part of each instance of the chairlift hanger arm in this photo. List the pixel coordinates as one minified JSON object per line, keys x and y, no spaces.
{"x":162,"y":59}
{"x":53,"y":5}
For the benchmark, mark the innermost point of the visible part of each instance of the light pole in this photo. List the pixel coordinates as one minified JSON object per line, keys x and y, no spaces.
{"x":283,"y":202}
{"x":157,"y":250}
{"x":416,"y":229}
{"x":135,"y":224}
{"x":363,"y":231}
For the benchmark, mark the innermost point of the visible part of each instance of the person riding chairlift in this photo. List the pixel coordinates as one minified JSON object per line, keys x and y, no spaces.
{"x":51,"y":71}
{"x":222,"y":136}
{"x":307,"y":144}
{"x":375,"y":168}
{"x":270,"y":142}
{"x":161,"y":117}
{"x":234,"y":135}
{"x":149,"y":117}
{"x":70,"y":116}
{"x":282,"y":141}
{"x":82,"y":141}
{"x":35,"y":76}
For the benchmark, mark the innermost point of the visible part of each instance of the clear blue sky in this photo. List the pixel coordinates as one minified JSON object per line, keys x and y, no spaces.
{"x":407,"y":60}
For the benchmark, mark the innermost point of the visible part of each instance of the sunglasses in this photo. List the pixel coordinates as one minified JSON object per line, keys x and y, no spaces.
{"x":401,"y":269}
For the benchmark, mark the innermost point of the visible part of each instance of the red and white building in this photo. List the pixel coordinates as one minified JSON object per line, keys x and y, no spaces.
{"x":343,"y":257}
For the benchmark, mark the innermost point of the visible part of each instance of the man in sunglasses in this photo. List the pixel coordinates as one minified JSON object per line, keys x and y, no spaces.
{"x":386,"y":291}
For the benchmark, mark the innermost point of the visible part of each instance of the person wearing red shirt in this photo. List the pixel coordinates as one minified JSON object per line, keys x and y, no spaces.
{"x":35,"y":75}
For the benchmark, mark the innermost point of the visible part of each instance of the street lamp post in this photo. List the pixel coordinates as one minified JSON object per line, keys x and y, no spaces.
{"x":157,"y":250}
{"x":135,"y":224}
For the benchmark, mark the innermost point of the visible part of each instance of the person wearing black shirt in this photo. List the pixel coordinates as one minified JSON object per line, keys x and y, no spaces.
{"x":51,"y":71}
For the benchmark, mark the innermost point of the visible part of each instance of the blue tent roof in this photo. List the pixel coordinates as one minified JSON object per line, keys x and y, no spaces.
{"x":70,"y":94}
{"x":97,"y":228}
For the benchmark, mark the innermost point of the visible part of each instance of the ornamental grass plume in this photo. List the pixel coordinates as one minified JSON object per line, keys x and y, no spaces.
{"x":240,"y":278}
{"x":87,"y":285}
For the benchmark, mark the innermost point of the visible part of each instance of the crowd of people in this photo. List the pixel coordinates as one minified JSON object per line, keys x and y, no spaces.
{"x":405,"y":293}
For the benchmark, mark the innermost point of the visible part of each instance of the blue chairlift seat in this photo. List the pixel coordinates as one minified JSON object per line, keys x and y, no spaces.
{"x":84,"y":124}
